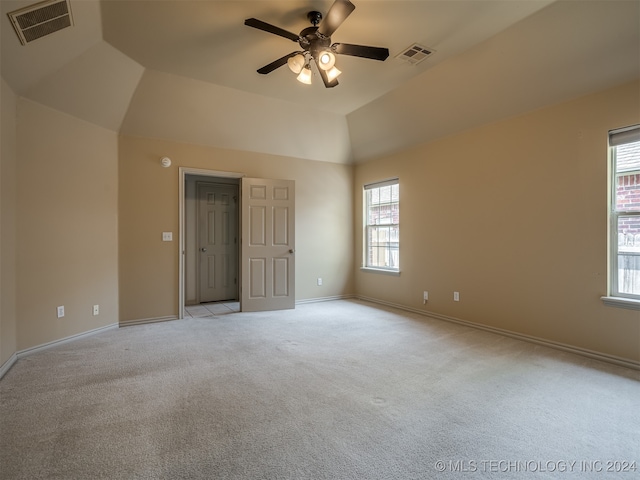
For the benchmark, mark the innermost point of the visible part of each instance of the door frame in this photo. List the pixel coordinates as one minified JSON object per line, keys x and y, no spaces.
{"x":183,"y":172}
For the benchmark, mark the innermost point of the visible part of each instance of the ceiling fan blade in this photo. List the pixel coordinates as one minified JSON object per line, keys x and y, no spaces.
{"x":277,"y":63}
{"x":325,"y":79}
{"x":267,"y":27}
{"x":374,"y":53}
{"x":337,"y":14}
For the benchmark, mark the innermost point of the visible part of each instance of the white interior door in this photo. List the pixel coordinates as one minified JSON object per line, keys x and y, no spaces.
{"x":218,"y":241}
{"x":268,"y":244}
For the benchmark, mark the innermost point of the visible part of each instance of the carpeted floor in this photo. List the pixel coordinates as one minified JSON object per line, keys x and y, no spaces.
{"x":334,"y":390}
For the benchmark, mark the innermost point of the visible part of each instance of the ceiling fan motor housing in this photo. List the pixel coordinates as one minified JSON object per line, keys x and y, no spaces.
{"x":314,"y":43}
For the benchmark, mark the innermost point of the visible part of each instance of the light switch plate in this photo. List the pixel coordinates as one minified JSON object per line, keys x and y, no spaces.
{"x":167,"y":236}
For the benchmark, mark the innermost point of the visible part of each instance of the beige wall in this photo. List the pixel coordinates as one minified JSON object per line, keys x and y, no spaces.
{"x":66,"y":224}
{"x":148,"y":206}
{"x":8,"y":315}
{"x":513,"y":215}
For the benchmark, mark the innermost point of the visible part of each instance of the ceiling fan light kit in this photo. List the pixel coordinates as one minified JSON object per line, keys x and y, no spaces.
{"x":296,"y":63}
{"x":316,"y":45}
{"x":305,"y":75}
{"x":333,"y":73}
{"x":327,"y":60}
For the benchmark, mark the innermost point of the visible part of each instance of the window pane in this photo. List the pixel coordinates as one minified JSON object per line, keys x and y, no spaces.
{"x":629,"y":254}
{"x":395,"y":192}
{"x":385,"y":194}
{"x":374,"y":196}
{"x":395,"y":213}
{"x":383,"y":247}
{"x":628,"y":177}
{"x":382,"y":233}
{"x":373,"y":216}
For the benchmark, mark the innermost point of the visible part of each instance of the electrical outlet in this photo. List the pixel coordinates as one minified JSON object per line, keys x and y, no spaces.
{"x":61,"y":311}
{"x":456,"y":296}
{"x":319,"y":281}
{"x":96,"y":310}
{"x":167,"y":236}
{"x":425,"y":297}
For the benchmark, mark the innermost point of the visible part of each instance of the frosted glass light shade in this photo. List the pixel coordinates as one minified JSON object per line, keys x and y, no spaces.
{"x":305,"y":76}
{"x":333,"y":73}
{"x":296,"y":63}
{"x":326,"y":60}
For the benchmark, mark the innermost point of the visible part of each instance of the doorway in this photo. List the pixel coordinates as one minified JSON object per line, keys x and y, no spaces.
{"x":217,"y":241}
{"x":210,"y":241}
{"x":265,"y":261}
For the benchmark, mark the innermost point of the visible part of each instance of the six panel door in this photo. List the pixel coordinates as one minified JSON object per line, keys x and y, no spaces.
{"x":268,"y":244}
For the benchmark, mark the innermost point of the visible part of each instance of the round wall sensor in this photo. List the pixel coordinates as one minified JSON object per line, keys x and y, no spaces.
{"x":166,"y":162}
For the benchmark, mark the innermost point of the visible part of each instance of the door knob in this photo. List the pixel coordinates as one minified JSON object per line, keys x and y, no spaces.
{"x":292,"y":251}
{"x":203,"y":249}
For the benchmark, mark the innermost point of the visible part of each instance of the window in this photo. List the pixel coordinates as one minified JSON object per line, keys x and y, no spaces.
{"x":382,"y":227}
{"x":625,"y":213}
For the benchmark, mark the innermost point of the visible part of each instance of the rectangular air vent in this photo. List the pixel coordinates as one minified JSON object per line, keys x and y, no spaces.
{"x":41,"y":19}
{"x":415,"y":54}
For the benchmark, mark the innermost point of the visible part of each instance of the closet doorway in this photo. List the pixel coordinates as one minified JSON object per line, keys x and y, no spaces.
{"x":211,"y":237}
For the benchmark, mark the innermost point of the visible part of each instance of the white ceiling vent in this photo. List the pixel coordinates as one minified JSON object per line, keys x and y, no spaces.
{"x":41,"y":19}
{"x":415,"y":54}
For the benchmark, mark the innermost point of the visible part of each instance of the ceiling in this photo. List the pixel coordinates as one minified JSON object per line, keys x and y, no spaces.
{"x":186,"y":70}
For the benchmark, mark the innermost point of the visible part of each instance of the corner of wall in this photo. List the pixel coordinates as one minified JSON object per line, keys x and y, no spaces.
{"x":8,"y":155}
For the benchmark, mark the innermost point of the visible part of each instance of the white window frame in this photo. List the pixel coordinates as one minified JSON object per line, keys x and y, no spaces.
{"x":390,"y":270}
{"x":615,"y":297}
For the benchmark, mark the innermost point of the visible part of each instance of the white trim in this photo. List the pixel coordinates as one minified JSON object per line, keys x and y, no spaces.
{"x":183,"y":172}
{"x":623,"y":362}
{"x":6,"y":366}
{"x":141,"y":321}
{"x":624,"y":135}
{"x":395,"y":273}
{"x":621,"y":302}
{"x":45,"y":346}
{"x":615,"y":297}
{"x":324,"y":299}
{"x":382,"y":183}
{"x":78,"y":336}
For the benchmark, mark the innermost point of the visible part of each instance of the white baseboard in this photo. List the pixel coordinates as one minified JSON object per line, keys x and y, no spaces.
{"x":6,"y":366}
{"x":527,"y":338}
{"x":45,"y":346}
{"x":324,"y":299}
{"x":142,"y":321}
{"x":623,"y":362}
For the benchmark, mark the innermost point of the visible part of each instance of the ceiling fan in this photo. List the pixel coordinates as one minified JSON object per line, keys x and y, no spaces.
{"x":315,"y":42}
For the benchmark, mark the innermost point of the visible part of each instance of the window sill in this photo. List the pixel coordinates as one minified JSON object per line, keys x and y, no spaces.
{"x":621,"y":302}
{"x":395,"y":273}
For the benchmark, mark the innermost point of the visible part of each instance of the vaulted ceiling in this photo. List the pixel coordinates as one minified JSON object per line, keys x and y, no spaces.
{"x":186,"y":70}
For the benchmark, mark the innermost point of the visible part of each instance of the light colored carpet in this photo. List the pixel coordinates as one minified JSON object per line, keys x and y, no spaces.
{"x":334,"y":390}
